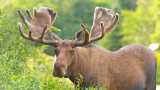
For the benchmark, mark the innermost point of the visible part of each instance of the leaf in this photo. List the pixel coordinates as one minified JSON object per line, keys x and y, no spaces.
{"x":55,"y":29}
{"x":1,"y":34}
{"x":1,"y":41}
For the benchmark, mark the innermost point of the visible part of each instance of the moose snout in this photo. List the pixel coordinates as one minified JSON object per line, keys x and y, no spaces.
{"x":59,"y":70}
{"x":57,"y":75}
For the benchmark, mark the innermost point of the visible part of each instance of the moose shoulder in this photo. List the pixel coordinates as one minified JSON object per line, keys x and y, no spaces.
{"x":133,"y":67}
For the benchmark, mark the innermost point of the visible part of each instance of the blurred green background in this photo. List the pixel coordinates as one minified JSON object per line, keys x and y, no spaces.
{"x":28,"y":65}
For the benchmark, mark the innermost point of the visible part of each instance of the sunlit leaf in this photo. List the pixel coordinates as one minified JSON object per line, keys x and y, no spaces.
{"x":1,"y":34}
{"x":55,"y":29}
{"x":1,"y":41}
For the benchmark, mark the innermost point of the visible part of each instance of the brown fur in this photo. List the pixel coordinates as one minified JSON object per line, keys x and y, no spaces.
{"x":132,"y":67}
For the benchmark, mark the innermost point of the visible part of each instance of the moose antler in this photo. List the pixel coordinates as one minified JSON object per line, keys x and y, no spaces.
{"x":39,"y":25}
{"x":103,"y":22}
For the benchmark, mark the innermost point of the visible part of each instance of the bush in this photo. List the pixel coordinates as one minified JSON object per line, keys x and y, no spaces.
{"x":158,"y":67}
{"x":23,"y":66}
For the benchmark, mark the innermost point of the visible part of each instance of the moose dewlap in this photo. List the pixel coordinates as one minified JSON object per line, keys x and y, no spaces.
{"x":133,"y":67}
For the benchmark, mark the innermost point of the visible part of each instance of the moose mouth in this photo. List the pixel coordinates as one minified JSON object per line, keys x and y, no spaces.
{"x":66,"y":75}
{"x":60,"y":76}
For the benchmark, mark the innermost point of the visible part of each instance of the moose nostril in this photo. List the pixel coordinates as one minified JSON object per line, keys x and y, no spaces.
{"x":58,"y":74}
{"x":59,"y":70}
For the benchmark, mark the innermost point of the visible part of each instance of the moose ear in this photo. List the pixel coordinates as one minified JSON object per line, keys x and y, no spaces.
{"x":79,"y":36}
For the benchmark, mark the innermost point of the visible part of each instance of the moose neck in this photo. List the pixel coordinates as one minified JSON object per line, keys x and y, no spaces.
{"x":78,"y":67}
{"x":86,"y":64}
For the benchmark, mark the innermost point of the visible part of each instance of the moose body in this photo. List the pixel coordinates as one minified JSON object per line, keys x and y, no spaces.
{"x":133,"y":67}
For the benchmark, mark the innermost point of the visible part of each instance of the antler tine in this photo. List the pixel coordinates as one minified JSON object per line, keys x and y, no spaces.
{"x":29,"y":15}
{"x":53,"y":19}
{"x":50,"y":35}
{"x":115,"y":20}
{"x":41,"y":39}
{"x":86,"y":38}
{"x":102,"y":34}
{"x":23,"y":18}
{"x":43,"y":33}
{"x":32,"y":30}
{"x":35,"y":11}
{"x":53,"y":15}
{"x":86,"y":35}
{"x":53,"y":36}
{"x":21,"y":31}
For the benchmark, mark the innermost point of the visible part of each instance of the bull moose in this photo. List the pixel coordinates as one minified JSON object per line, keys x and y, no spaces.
{"x":133,"y":67}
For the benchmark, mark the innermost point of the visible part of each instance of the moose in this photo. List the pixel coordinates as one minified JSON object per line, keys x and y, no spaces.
{"x":133,"y":67}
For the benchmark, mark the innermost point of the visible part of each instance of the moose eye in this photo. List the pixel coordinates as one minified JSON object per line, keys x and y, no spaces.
{"x":72,"y":52}
{"x":56,"y":52}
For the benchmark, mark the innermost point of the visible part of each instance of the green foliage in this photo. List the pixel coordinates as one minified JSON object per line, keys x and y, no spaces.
{"x":34,"y":74}
{"x":23,"y":66}
{"x":158,"y":67}
{"x":128,"y":4}
{"x":142,"y":25}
